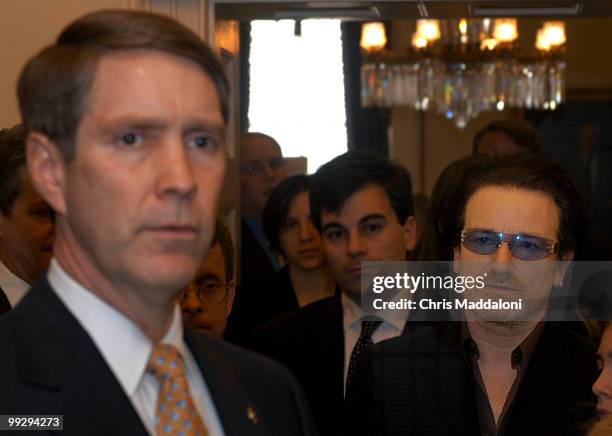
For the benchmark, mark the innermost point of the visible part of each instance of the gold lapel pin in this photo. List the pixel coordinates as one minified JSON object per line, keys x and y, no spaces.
{"x":252,"y":415}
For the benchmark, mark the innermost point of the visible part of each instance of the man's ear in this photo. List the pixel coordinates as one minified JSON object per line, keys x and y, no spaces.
{"x":47,"y":170}
{"x":229,"y":300}
{"x":562,"y":267}
{"x":410,"y":233}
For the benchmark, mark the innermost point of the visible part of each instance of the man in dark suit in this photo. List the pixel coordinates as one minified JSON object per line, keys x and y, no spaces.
{"x":498,"y":371}
{"x":126,"y":117}
{"x":262,"y":168}
{"x":26,"y":223}
{"x":362,"y":205}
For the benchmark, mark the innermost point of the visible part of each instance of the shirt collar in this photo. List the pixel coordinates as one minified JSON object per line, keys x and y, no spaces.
{"x":13,"y":286}
{"x":520,"y":356}
{"x":127,"y":357}
{"x":352,"y":314}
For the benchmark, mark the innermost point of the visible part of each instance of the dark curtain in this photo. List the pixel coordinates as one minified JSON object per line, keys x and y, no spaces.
{"x":366,"y":127}
{"x":245,"y":78}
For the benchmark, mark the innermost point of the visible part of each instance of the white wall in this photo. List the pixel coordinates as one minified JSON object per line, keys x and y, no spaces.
{"x":26,"y":26}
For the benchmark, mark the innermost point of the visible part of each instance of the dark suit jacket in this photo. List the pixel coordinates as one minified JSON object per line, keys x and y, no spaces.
{"x":420,"y":384}
{"x":256,"y":304}
{"x":5,"y":305}
{"x":49,"y":365}
{"x":310,"y":342}
{"x":254,"y":262}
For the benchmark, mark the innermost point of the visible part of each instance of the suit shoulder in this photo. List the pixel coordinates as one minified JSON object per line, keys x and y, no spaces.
{"x":237,"y":359}
{"x":326,"y":308}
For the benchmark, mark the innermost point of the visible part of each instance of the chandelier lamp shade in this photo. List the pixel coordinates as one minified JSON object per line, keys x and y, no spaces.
{"x":463,"y":67}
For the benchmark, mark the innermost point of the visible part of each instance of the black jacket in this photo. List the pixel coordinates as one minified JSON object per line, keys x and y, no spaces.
{"x":49,"y":365}
{"x":420,"y":384}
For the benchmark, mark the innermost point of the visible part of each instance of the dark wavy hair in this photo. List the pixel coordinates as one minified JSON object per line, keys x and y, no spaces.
{"x":533,"y":173}
{"x":436,"y":242}
{"x":13,"y":158}
{"x":350,"y":172}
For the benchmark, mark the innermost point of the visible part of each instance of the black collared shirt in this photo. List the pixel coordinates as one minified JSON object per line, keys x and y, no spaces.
{"x":520,"y":358}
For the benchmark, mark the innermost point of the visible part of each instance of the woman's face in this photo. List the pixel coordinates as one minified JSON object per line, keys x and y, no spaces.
{"x":298,"y":238}
{"x":603,"y":386}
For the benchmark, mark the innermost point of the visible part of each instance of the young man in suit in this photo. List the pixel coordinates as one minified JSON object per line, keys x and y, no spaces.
{"x":362,"y":205}
{"x":126,"y":115}
{"x":26,"y":223}
{"x":497,"y":371}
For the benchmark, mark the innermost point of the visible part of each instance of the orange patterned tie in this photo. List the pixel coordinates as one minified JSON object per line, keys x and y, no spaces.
{"x":176,"y":414}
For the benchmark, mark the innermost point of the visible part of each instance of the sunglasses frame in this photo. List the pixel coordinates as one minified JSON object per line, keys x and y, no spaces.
{"x":551,"y":246}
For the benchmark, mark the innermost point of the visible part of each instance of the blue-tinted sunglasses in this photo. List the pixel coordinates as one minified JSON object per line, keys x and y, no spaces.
{"x":523,"y":247}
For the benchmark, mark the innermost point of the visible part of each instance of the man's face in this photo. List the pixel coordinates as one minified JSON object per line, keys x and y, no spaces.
{"x":26,"y":234}
{"x":138,"y":201}
{"x":511,"y":210}
{"x":602,"y":387}
{"x":207,"y":301}
{"x":365,"y":228}
{"x":262,"y":168}
{"x":497,"y":143}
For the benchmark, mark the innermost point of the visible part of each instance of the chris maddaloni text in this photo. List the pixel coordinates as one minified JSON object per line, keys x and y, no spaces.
{"x":429,"y":304}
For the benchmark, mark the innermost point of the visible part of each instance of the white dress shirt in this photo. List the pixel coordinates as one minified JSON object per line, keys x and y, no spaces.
{"x":14,"y":287}
{"x":126,"y":350}
{"x":351,"y":320}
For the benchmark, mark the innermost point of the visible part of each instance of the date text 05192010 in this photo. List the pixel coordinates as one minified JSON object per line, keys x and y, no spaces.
{"x":31,"y":422}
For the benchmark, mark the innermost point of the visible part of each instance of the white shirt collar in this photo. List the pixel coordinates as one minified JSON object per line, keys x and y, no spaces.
{"x":14,"y":287}
{"x":127,"y":357}
{"x":351,"y":315}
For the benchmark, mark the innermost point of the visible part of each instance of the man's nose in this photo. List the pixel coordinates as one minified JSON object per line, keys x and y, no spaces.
{"x":502,"y":257}
{"x":176,"y":171}
{"x":191,"y":302}
{"x":269,"y":172}
{"x":355,"y":243}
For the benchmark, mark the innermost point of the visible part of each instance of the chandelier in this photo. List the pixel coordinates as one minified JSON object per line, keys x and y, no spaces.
{"x":464,"y":67}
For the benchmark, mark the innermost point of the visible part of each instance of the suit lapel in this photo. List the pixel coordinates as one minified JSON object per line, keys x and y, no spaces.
{"x":56,"y":356}
{"x":231,"y":400}
{"x":329,"y":330}
{"x":5,"y":305}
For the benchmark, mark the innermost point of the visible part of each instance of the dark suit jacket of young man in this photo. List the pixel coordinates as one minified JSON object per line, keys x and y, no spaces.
{"x":310,"y":342}
{"x":257,"y":303}
{"x":421,"y":384}
{"x":5,"y":305}
{"x":49,"y":365}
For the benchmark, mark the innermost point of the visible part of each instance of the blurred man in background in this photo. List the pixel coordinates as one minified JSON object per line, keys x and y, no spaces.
{"x":207,"y":301}
{"x":262,"y":168}
{"x":26,"y":222}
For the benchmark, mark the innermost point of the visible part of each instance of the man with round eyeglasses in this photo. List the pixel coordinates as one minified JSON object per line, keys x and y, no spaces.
{"x":207,"y":301}
{"x":497,"y":372}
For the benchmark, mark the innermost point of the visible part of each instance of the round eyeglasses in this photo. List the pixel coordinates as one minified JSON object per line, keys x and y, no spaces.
{"x":209,"y":292}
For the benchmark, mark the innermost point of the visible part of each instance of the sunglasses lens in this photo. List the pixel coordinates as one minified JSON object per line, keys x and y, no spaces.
{"x":529,"y":248}
{"x":522,"y":247}
{"x":481,"y":241}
